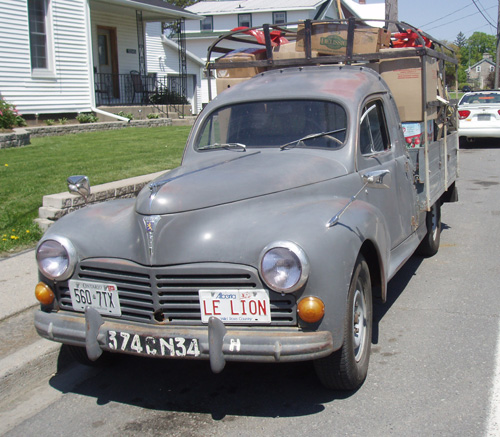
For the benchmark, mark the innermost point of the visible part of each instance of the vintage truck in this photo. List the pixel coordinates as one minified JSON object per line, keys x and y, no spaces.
{"x":297,"y":200}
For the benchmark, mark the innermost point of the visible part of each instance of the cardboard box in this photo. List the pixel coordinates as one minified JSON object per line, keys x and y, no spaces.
{"x":404,"y":78}
{"x":414,"y":133}
{"x":289,"y":51}
{"x":331,"y":39}
{"x":223,"y":83}
{"x":236,"y":56}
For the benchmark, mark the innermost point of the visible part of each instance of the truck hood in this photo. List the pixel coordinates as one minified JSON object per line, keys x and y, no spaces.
{"x":242,"y":176}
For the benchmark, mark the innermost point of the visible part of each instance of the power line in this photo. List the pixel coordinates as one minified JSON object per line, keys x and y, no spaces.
{"x":484,"y":16}
{"x":458,"y":19}
{"x":446,"y":16}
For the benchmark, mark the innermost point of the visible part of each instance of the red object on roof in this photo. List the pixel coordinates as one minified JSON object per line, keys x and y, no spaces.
{"x":408,"y":39}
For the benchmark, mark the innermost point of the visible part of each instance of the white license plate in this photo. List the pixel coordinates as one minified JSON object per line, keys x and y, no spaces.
{"x":235,"y":306}
{"x":98,"y":295}
{"x":483,"y":117}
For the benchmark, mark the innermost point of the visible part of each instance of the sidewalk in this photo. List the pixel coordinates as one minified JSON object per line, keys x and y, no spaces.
{"x":18,"y":278}
{"x":25,"y":357}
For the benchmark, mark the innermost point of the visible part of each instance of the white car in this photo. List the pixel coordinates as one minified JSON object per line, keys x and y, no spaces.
{"x":479,"y":115}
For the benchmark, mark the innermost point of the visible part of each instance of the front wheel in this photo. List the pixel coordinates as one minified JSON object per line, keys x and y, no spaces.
{"x":346,"y":369}
{"x":429,"y":246}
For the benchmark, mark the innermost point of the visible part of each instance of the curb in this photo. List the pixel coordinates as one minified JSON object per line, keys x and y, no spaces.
{"x":27,"y":366}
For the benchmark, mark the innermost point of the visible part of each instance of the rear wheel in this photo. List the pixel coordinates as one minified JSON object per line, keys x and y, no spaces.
{"x":429,"y":246}
{"x":346,"y":369}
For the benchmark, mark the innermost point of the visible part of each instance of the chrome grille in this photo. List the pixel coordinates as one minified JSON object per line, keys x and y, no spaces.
{"x":170,"y":294}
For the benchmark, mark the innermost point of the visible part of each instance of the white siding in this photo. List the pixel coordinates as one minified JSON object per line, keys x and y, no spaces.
{"x":69,"y":89}
{"x":164,"y":61}
{"x":124,"y":21}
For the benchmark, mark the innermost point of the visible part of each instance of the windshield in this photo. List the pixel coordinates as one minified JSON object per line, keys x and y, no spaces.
{"x":274,"y":124}
{"x":474,"y":98}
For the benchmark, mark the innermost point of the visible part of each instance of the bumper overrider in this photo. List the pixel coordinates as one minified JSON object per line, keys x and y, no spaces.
{"x":215,"y":342}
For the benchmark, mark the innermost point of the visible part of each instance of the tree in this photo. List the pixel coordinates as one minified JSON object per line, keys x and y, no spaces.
{"x":461,"y":40}
{"x":477,"y":44}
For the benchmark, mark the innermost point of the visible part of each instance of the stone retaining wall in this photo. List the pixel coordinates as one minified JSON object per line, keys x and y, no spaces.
{"x":58,"y":205}
{"x":21,"y":137}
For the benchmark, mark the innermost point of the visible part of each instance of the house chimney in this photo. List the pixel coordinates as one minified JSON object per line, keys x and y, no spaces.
{"x":487,"y":56}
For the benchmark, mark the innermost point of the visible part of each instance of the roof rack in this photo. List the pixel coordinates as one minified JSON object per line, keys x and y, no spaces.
{"x":269,"y":36}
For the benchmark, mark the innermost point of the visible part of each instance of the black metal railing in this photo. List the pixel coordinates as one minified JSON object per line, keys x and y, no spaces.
{"x":135,"y":89}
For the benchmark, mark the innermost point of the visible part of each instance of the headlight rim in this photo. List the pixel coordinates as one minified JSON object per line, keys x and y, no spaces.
{"x":299,"y":253}
{"x":70,"y":251}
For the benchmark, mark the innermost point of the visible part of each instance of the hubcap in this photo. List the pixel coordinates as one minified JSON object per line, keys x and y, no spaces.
{"x":359,"y":324}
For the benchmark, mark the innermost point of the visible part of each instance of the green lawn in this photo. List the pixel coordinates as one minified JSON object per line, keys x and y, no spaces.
{"x":28,"y":173}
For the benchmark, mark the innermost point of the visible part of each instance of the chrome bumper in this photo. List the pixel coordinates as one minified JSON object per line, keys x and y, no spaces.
{"x":217,"y":342}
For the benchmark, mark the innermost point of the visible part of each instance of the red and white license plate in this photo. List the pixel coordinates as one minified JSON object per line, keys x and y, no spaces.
{"x":235,"y":306}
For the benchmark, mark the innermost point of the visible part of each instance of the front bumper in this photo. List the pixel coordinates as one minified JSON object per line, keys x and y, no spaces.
{"x":217,"y":342}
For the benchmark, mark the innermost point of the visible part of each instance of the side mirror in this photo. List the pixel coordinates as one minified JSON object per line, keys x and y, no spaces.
{"x":79,"y":185}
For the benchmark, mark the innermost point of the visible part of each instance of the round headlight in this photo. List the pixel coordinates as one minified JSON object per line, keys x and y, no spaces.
{"x":284,"y":266}
{"x":56,"y":258}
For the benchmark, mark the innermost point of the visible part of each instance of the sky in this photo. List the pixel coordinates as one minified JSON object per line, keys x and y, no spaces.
{"x":444,"y":19}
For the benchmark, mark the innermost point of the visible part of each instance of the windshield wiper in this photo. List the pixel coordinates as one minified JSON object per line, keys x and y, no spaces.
{"x":313,"y":136}
{"x":226,"y":146}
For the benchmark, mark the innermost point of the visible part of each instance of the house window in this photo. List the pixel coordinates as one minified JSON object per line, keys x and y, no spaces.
{"x":207,"y":24}
{"x":492,"y":68}
{"x":279,"y":17}
{"x":478,"y":69}
{"x":40,"y":36}
{"x":245,"y":20}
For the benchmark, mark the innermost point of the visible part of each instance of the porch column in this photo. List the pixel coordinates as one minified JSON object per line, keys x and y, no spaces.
{"x":141,"y":43}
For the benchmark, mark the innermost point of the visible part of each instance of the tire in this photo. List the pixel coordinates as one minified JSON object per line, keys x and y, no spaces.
{"x":429,"y":246}
{"x":346,"y":369}
{"x":79,"y":354}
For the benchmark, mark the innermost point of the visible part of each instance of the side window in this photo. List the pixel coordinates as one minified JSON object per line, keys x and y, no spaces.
{"x":373,"y":136}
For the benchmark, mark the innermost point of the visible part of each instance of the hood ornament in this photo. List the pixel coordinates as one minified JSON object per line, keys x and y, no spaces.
{"x":150,"y":223}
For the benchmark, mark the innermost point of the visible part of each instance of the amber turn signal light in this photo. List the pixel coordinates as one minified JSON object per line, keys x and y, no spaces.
{"x":311,"y":309}
{"x":44,"y":294}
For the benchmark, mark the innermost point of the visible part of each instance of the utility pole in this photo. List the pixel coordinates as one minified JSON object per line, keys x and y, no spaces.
{"x":391,"y":13}
{"x":498,"y":48}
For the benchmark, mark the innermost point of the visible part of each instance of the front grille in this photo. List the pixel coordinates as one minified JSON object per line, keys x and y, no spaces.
{"x":170,"y":294}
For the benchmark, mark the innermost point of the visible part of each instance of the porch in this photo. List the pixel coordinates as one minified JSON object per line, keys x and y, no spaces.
{"x":137,"y":90}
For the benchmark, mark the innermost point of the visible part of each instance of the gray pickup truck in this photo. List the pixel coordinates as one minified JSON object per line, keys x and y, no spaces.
{"x":296,"y":202}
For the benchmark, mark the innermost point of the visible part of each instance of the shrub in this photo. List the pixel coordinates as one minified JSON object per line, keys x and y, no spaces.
{"x":87,"y":117}
{"x":128,"y":115}
{"x":63,"y":120}
{"x":49,"y":122}
{"x":167,"y":96}
{"x":10,"y":116}
{"x":153,"y":115}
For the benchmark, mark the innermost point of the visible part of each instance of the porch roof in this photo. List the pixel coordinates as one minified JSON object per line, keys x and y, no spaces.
{"x":153,"y":10}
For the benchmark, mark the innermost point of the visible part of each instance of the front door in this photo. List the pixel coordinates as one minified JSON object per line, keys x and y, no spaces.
{"x":107,"y":53}
{"x":377,"y":152}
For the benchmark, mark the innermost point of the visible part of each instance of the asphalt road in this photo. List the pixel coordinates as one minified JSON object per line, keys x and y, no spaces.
{"x":433,"y":371}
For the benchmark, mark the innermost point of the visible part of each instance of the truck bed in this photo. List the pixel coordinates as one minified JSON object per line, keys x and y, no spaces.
{"x":438,"y":172}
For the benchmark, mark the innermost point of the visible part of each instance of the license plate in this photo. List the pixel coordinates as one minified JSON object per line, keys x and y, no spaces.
{"x":98,"y":295}
{"x":483,"y":117}
{"x":152,"y":345}
{"x":235,"y":306}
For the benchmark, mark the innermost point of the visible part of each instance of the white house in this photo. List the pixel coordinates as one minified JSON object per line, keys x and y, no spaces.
{"x":222,"y":16}
{"x":70,"y":56}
